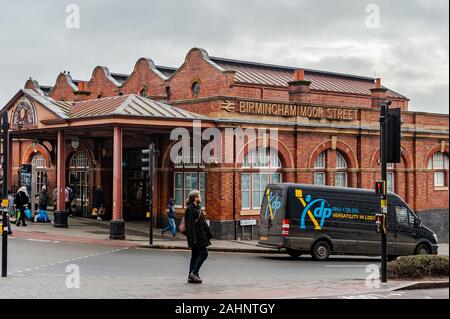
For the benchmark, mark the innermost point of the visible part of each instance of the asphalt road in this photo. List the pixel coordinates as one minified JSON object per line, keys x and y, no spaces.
{"x":47,"y":269}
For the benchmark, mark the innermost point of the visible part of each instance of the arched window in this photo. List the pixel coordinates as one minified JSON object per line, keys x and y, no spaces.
{"x":439,"y":164}
{"x":38,"y":161}
{"x":189,"y":175}
{"x":195,"y":88}
{"x":263,"y":167}
{"x":340,"y":178}
{"x":320,"y":170}
{"x":143,"y":92}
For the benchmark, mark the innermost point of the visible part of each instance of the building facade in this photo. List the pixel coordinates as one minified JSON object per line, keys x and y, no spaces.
{"x":88,"y":133}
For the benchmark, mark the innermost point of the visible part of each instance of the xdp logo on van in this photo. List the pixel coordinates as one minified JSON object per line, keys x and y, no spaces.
{"x":320,"y":208}
{"x":273,"y":204}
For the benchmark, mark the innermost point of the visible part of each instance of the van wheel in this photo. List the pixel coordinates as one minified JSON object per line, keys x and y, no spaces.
{"x":321,"y":251}
{"x":293,"y":253}
{"x":422,"y":249}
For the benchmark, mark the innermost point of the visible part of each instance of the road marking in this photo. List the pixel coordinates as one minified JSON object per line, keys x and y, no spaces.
{"x":346,"y":266}
{"x":43,"y":240}
{"x":67,"y":260}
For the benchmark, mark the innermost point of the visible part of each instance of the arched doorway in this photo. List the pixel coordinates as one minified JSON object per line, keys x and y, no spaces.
{"x":39,"y":174}
{"x":79,"y":181}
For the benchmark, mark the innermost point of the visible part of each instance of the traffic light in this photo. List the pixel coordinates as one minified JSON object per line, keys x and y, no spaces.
{"x":380,"y":188}
{"x":393,"y":130}
{"x":146,"y":160}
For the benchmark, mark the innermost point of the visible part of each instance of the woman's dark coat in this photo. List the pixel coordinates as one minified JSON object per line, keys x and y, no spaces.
{"x":21,"y":200}
{"x":198,"y":232}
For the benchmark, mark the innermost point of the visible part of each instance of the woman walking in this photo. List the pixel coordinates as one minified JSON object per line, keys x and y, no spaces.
{"x":21,"y":201}
{"x":198,"y":235}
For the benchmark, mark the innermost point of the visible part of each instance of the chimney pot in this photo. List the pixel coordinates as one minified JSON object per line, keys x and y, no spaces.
{"x":299,"y":75}
{"x":378,"y":83}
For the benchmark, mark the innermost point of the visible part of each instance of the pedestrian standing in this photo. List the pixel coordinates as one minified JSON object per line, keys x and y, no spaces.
{"x":69,"y":197}
{"x":21,"y":201}
{"x":43,"y":201}
{"x":54,"y":197}
{"x":170,"y":219}
{"x":10,"y":209}
{"x":98,"y":204}
{"x":43,"y":198}
{"x":198,"y":235}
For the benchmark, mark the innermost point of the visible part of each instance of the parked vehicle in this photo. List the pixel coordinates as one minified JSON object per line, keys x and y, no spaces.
{"x":321,"y":221}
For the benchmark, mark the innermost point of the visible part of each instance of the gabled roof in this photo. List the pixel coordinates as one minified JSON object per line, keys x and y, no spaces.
{"x":59,"y":108}
{"x":276,"y":75}
{"x":132,"y":105}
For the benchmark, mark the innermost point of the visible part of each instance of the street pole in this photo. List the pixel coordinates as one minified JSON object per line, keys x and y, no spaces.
{"x":383,"y":156}
{"x":150,"y":189}
{"x":5,"y":131}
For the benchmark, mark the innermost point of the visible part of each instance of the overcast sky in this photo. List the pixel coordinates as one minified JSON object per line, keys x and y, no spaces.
{"x":409,"y":48}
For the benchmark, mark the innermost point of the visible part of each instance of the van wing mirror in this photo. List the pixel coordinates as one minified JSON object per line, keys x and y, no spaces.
{"x":417,"y":222}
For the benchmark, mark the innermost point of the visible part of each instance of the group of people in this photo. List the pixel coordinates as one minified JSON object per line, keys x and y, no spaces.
{"x":198,"y":233}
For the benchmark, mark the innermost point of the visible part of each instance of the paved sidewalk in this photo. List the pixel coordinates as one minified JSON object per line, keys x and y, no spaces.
{"x":85,"y":230}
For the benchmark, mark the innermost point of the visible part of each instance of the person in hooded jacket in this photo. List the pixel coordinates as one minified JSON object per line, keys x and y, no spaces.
{"x":21,"y":201}
{"x":198,"y":235}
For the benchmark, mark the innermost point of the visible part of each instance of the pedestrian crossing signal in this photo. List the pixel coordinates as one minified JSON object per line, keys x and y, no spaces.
{"x":380,"y":188}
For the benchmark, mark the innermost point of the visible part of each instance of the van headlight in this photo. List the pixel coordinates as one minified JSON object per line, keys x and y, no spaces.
{"x":435,"y":237}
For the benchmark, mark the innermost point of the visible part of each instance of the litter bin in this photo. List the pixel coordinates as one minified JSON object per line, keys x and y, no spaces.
{"x":60,"y":219}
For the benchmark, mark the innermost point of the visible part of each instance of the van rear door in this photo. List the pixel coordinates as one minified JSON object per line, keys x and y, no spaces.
{"x":272,"y":214}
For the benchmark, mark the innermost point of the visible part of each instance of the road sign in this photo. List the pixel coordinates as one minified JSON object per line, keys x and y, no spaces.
{"x":248,"y":222}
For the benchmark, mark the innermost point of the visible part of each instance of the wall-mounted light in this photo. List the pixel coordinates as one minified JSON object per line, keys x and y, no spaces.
{"x":75,"y":143}
{"x":35,"y":144}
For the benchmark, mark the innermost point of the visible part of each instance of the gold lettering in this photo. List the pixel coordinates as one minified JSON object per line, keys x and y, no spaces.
{"x":242,"y":107}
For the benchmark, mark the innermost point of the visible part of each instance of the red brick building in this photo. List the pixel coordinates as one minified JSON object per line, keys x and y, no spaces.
{"x":87,"y":133}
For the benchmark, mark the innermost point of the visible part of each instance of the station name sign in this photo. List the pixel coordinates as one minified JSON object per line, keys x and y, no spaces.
{"x":290,"y":110}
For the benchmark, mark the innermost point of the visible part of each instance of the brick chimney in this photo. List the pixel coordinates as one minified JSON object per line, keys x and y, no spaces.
{"x":82,"y":93}
{"x":299,"y":89}
{"x":378,"y":94}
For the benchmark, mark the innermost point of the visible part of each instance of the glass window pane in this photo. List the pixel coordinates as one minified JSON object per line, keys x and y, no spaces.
{"x":340,"y":161}
{"x":320,"y":161}
{"x":341,"y":179}
{"x":439,"y":179}
{"x":179,"y":197}
{"x":264,"y":181}
{"x":256,"y":199}
{"x":402,"y":214}
{"x":276,"y":178}
{"x":179,"y":180}
{"x":319,"y":179}
{"x":202,"y":180}
{"x":255,"y":182}
{"x":445,"y":162}
{"x":390,"y":182}
{"x":438,"y":161}
{"x":194,"y":181}
{"x":245,"y":182}
{"x":245,"y":200}
{"x":187,"y":181}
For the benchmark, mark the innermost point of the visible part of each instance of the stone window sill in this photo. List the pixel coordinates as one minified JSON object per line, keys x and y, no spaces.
{"x":441,"y":188}
{"x":250,"y":212}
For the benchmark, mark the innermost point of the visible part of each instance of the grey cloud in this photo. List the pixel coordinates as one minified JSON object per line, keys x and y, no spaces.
{"x":409,"y":51}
